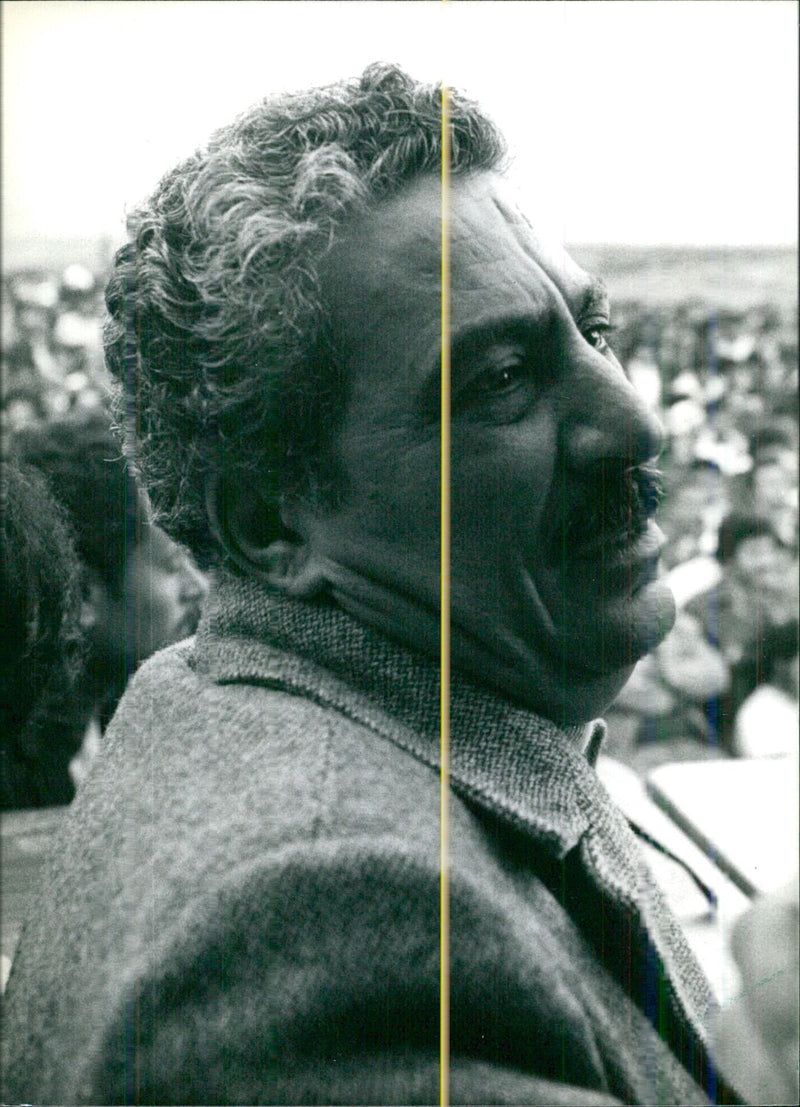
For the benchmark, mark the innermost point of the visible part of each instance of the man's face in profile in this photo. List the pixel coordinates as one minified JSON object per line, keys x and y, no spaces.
{"x":159,"y":604}
{"x":553,"y":551}
{"x":164,"y":593}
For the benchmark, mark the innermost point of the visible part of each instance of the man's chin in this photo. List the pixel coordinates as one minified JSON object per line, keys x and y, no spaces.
{"x":614,"y":633}
{"x":655,"y":607}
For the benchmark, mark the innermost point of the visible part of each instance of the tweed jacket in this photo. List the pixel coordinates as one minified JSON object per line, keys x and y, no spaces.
{"x":244,"y":906}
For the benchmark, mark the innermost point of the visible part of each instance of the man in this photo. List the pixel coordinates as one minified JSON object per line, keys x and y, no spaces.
{"x":140,"y":590}
{"x":247,"y":896}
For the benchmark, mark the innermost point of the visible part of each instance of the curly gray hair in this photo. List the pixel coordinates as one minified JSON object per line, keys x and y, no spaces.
{"x":216,"y":333}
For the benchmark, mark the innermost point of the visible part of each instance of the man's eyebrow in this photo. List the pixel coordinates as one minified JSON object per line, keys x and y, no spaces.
{"x":595,"y":297}
{"x":469,"y":344}
{"x":473,"y":340}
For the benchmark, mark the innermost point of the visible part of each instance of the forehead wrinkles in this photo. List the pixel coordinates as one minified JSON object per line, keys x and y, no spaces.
{"x":549,"y":256}
{"x":381,"y":280}
{"x":494,"y":259}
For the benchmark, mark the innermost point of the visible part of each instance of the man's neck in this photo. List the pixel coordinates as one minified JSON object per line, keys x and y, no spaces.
{"x":510,"y":666}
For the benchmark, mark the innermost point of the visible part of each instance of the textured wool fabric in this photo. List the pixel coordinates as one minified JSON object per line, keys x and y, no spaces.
{"x":243,"y":906}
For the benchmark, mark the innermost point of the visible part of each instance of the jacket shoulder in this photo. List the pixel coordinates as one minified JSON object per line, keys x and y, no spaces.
{"x":198,"y":751}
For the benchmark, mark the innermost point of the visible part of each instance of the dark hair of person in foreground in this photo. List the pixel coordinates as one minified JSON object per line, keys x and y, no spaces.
{"x":139,"y":590}
{"x":40,"y":637}
{"x":83,"y":464}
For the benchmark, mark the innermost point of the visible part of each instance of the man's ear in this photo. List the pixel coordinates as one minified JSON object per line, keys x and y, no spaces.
{"x":252,"y":535}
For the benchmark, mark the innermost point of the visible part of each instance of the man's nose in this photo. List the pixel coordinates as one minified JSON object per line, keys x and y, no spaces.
{"x":607,"y":418}
{"x":194,"y":585}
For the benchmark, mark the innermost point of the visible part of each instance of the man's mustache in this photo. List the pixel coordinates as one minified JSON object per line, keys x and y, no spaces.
{"x":614,"y":504}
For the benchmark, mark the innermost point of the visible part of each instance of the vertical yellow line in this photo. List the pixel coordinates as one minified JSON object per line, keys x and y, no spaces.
{"x":444,"y":630}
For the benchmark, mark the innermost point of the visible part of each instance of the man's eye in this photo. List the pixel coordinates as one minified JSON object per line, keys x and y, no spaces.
{"x":499,"y":384}
{"x":597,"y":336}
{"x":500,"y":378}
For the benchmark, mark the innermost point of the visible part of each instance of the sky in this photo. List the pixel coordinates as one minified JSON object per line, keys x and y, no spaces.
{"x":631,"y":121}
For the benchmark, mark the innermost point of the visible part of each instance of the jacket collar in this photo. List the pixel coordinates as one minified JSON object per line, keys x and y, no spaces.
{"x":510,"y":761}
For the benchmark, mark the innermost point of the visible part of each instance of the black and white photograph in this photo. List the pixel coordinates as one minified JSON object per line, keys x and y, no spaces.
{"x":400,"y":687}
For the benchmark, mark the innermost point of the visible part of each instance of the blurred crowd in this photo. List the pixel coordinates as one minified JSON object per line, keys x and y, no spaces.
{"x":724,"y":683}
{"x":51,"y":345}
